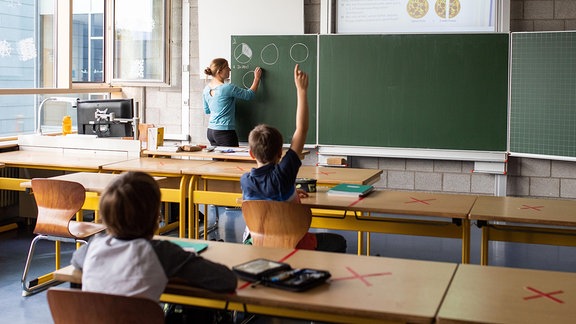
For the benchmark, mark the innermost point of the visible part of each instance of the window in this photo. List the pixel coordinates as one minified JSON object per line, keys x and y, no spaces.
{"x":88,"y":41}
{"x":42,"y":55}
{"x":140,"y":46}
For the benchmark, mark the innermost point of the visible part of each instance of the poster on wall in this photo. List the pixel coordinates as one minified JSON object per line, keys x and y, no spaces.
{"x":417,"y":16}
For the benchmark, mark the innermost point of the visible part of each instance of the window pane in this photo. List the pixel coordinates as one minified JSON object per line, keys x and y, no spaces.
{"x":139,"y":40}
{"x":87,"y":40}
{"x":26,"y":44}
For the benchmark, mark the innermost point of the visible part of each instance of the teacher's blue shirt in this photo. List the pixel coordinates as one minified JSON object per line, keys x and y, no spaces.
{"x":222,"y":105}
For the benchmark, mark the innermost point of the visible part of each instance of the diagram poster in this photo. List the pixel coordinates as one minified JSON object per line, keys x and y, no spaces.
{"x":418,"y":16}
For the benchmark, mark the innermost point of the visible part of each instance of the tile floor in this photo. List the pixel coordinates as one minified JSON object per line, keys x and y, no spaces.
{"x":14,"y":246}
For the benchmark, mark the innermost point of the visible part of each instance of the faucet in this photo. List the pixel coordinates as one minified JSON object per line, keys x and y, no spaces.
{"x":72,"y":101}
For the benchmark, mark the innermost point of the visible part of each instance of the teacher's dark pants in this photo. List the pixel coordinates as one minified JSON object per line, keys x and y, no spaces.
{"x":222,"y":137}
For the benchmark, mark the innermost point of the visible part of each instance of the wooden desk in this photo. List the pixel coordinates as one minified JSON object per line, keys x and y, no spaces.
{"x":218,"y":183}
{"x":480,"y":294}
{"x":533,"y":221}
{"x":174,"y":188}
{"x":52,"y":160}
{"x":93,"y":182}
{"x":451,"y":210}
{"x":362,"y":289}
{"x":241,"y":154}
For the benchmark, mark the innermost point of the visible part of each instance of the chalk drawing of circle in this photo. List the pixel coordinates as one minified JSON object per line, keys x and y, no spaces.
{"x":270,"y":54}
{"x":242,"y":53}
{"x":299,"y":52}
{"x":247,"y":79}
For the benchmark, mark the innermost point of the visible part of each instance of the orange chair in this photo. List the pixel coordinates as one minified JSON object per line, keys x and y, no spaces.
{"x":58,"y":202}
{"x":276,"y":223}
{"x":72,"y":306}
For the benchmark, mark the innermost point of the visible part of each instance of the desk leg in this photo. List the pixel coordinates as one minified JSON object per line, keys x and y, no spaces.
{"x":368,"y":243}
{"x":484,"y":246}
{"x":465,"y":241}
{"x":360,"y":242}
{"x":184,"y":182}
{"x":192,"y":208}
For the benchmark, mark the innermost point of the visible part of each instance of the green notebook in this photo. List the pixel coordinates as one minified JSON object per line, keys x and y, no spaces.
{"x":191,"y":246}
{"x":347,"y":189}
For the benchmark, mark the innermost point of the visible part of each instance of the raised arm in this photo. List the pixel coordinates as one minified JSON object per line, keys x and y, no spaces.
{"x":302,"y":118}
{"x":257,"y":76}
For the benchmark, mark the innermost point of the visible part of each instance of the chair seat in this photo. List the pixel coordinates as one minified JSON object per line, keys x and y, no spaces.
{"x":83,"y":230}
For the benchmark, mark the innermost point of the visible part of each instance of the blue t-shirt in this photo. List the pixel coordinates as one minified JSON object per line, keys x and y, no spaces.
{"x":272,"y":181}
{"x":222,"y":105}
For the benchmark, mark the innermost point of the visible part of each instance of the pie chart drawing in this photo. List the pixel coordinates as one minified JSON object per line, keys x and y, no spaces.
{"x":242,"y":53}
{"x":270,"y":54}
{"x":299,"y":52}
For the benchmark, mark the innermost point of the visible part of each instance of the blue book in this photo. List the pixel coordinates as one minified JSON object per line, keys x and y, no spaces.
{"x":347,"y":189}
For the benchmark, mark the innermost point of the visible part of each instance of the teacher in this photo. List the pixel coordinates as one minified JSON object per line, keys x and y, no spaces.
{"x":220,"y":102}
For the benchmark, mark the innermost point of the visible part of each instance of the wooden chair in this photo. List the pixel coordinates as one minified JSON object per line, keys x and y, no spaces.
{"x":276,"y":223}
{"x":58,"y":201}
{"x":72,"y":306}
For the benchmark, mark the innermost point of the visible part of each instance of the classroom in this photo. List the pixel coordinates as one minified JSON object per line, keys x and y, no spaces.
{"x":487,"y":149}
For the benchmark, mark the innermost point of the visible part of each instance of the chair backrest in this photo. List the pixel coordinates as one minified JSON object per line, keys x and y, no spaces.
{"x":77,"y":306}
{"x":276,"y":223}
{"x":58,"y":201}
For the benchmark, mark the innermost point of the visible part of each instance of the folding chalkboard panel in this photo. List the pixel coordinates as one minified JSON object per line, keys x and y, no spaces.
{"x":426,"y":91}
{"x":543,"y":94}
{"x":275,"y":102}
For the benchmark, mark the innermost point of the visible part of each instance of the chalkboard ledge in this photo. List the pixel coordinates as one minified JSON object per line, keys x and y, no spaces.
{"x":413,"y":153}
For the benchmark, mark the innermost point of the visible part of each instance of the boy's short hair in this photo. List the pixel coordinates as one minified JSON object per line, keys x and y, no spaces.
{"x":265,"y":142}
{"x":130,"y":206}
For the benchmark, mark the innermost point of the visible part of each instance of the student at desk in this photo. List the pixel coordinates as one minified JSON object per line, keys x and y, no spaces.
{"x":127,"y":261}
{"x":275,"y":176}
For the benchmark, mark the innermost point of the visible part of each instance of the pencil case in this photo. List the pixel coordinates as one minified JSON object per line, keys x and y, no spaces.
{"x":280,"y":275}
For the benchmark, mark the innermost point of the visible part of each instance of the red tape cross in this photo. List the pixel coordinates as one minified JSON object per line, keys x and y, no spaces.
{"x":421,"y":201}
{"x":543,"y":294}
{"x":536,"y":208}
{"x":355,"y":275}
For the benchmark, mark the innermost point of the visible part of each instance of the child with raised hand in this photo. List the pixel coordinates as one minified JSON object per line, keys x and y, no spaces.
{"x":275,"y":176}
{"x":126,"y":260}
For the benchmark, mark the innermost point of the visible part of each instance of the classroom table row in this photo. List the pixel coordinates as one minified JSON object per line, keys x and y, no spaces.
{"x":366,"y":289}
{"x":207,"y":182}
{"x":182,"y":177}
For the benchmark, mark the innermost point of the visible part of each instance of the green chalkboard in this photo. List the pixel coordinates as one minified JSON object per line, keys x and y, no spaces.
{"x":543,"y":94}
{"x":426,"y":91}
{"x":275,"y":102}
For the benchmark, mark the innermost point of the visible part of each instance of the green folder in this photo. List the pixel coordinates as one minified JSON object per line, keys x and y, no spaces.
{"x":191,"y":246}
{"x":348,"y":189}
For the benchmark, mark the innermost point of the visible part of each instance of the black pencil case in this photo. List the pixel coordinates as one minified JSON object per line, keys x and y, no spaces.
{"x":280,"y":275}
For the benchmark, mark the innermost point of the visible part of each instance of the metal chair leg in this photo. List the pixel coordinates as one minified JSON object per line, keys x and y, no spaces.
{"x":38,"y":284}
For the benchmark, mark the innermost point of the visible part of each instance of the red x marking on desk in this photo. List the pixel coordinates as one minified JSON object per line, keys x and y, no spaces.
{"x":237,"y":168}
{"x":543,"y":294}
{"x":421,"y":201}
{"x":355,"y":275}
{"x":536,"y":208}
{"x":325,"y":172}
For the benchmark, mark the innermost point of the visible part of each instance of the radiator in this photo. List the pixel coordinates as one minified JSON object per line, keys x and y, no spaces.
{"x":8,"y":197}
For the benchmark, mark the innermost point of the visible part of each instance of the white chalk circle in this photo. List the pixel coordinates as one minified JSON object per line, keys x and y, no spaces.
{"x":247,"y":79}
{"x":299,"y":52}
{"x":242,"y":53}
{"x":270,"y":54}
